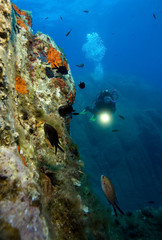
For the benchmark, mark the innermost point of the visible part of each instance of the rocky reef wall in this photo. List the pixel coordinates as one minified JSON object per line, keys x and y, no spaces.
{"x":38,"y":187}
{"x":44,"y":193}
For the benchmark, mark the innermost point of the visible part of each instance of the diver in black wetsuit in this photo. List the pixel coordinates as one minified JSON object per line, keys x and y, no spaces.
{"x":106,"y":101}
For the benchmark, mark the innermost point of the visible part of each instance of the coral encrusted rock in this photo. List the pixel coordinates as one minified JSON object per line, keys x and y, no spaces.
{"x":38,"y":197}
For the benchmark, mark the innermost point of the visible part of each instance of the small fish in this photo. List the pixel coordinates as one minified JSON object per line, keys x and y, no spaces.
{"x":68,"y":33}
{"x":115,"y":130}
{"x":52,"y":136}
{"x":75,"y":113}
{"x":80,"y":65}
{"x":49,"y":72}
{"x":109,"y":191}
{"x":86,"y":11}
{"x":46,"y":18}
{"x":3,"y":177}
{"x":151,"y":202}
{"x":81,"y":85}
{"x":61,"y":18}
{"x":62,"y":69}
{"x":67,"y":110}
{"x":122,"y":117}
{"x":154,"y":15}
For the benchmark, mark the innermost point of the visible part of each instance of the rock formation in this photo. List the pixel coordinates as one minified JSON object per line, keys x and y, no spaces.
{"x":38,"y":187}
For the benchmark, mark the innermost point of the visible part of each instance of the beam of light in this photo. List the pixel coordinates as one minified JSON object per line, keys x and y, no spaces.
{"x":104,"y":118}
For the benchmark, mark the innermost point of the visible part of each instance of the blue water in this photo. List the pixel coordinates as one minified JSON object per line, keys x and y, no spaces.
{"x":130,"y":33}
{"x":132,"y":63}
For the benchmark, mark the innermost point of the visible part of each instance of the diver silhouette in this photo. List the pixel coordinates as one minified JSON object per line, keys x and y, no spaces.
{"x":106,"y":102}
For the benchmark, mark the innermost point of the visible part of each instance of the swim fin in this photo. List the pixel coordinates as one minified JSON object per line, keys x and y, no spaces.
{"x":83,"y":112}
{"x":93,"y":119}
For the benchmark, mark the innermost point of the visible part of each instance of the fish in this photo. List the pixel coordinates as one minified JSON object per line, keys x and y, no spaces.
{"x":67,"y":110}
{"x":154,"y":15}
{"x":49,"y":72}
{"x":3,"y":177}
{"x":109,"y":192}
{"x":61,"y":69}
{"x":151,"y":202}
{"x":46,"y":18}
{"x":52,"y":136}
{"x":80,"y":65}
{"x":61,"y":18}
{"x":81,"y":85}
{"x":68,"y":32}
{"x":122,"y":117}
{"x":115,"y":130}
{"x":86,"y":11}
{"x":75,"y":113}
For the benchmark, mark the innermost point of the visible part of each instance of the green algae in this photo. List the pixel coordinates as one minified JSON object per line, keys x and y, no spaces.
{"x":65,"y":207}
{"x":8,"y":232}
{"x":8,"y":189}
{"x":142,"y":224}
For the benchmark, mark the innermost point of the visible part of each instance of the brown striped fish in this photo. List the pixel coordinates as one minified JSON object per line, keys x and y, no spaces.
{"x":109,"y":191}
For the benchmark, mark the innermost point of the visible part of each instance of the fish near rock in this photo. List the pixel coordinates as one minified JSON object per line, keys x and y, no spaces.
{"x":52,"y":136}
{"x":109,"y":191}
{"x":66,"y":110}
{"x":61,"y":69}
{"x":49,"y":72}
{"x":81,"y":85}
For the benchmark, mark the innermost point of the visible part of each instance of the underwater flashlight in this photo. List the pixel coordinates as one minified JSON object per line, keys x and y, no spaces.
{"x":104,"y":118}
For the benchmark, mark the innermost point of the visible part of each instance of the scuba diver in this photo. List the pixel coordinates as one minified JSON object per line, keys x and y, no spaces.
{"x":105,"y":104}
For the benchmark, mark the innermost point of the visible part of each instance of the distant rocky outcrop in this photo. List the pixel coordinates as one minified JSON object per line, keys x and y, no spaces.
{"x":132,"y":156}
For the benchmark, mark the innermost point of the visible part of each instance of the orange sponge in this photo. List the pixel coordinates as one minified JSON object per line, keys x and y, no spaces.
{"x":21,"y":23}
{"x":24,"y":13}
{"x":54,"y":57}
{"x":20,"y":85}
